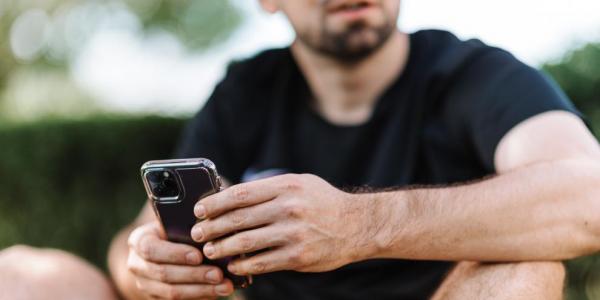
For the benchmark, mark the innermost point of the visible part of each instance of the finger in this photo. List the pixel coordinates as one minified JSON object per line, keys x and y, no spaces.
{"x":243,"y":195}
{"x":183,"y":291}
{"x":276,"y":260}
{"x":245,"y":242}
{"x":236,"y":220}
{"x":174,"y":273}
{"x":146,"y":241}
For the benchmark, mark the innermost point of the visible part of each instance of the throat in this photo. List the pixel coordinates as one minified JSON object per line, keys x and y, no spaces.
{"x":347,"y":94}
{"x":345,"y":112}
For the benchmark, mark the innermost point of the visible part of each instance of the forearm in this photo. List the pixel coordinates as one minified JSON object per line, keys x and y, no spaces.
{"x":117,"y":264}
{"x":119,"y":253}
{"x":548,"y":211}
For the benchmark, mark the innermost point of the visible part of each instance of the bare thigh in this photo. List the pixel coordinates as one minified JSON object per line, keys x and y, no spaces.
{"x":30,"y":273}
{"x":524,"y":280}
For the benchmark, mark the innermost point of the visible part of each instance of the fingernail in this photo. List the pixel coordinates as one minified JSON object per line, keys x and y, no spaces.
{"x":213,"y":276}
{"x":222,"y":289}
{"x":192,"y":258}
{"x":209,"y":250}
{"x":232,"y":268}
{"x":200,"y":211}
{"x":197,"y":233}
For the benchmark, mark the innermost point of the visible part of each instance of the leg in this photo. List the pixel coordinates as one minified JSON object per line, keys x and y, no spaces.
{"x":29,"y":273}
{"x":527,"y":280}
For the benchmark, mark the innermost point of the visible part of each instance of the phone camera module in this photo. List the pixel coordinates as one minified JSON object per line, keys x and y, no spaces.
{"x":163,"y":184}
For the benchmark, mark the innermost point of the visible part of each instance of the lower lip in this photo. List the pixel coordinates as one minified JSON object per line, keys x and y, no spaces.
{"x":352,"y":13}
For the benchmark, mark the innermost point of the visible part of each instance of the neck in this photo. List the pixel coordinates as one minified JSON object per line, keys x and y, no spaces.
{"x":346,"y":93}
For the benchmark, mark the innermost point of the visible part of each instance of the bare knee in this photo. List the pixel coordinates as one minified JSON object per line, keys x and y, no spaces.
{"x":31,"y":273}
{"x":525,"y":280}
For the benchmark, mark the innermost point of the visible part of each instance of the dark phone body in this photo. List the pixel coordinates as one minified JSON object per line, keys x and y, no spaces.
{"x":193,"y":179}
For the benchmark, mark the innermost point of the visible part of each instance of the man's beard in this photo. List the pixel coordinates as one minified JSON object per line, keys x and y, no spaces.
{"x":339,"y":45}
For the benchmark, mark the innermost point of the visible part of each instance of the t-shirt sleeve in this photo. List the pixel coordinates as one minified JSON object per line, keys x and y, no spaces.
{"x":497,"y":92}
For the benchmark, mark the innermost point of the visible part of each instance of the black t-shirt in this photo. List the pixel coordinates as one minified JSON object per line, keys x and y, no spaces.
{"x":438,"y":123}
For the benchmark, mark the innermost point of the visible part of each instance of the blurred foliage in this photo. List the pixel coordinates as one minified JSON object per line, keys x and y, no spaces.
{"x":73,"y":184}
{"x":583,"y":280}
{"x":578,"y":73}
{"x":39,"y":41}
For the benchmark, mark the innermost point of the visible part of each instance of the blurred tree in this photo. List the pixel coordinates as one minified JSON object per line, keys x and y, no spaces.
{"x":39,"y":40}
{"x":578,"y":73}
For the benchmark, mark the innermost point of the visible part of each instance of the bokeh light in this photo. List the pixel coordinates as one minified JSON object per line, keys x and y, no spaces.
{"x":28,"y":34}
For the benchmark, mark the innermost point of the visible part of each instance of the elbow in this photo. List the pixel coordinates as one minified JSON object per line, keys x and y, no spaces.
{"x":583,"y":203}
{"x":589,"y":220}
{"x":592,"y":221}
{"x":591,"y":229}
{"x":585,"y":242}
{"x":581,"y":244}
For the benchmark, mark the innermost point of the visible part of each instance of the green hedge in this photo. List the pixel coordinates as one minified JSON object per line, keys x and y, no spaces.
{"x":73,"y":184}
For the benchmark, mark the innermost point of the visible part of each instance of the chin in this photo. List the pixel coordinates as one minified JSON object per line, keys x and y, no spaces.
{"x":365,"y":22}
{"x":366,"y":38}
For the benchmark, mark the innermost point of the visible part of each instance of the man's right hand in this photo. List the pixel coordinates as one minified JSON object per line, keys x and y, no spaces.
{"x":167,"y":270}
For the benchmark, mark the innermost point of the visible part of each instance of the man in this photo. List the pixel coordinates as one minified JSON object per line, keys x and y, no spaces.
{"x":357,"y":103}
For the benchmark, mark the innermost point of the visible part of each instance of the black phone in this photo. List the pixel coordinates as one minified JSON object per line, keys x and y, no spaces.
{"x":174,"y":187}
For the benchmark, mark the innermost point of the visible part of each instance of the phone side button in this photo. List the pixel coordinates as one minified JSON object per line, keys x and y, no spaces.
{"x":219,"y":183}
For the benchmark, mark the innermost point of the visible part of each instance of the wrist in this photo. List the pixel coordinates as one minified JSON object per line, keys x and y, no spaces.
{"x":387,"y":224}
{"x":377,"y":220}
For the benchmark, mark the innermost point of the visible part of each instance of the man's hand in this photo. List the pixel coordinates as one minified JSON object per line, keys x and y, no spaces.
{"x":298,"y":222}
{"x":166,"y":270}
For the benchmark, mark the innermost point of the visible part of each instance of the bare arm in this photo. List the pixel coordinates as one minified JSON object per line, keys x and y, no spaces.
{"x":119,"y":251}
{"x":543,"y":205}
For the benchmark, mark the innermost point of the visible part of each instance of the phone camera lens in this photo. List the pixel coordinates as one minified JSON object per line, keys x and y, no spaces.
{"x":163,"y":184}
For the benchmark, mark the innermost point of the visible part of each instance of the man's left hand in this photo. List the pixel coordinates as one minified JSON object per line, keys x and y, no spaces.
{"x":297,"y":222}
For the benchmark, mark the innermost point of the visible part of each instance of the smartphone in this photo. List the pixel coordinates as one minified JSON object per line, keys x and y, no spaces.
{"x":174,"y":187}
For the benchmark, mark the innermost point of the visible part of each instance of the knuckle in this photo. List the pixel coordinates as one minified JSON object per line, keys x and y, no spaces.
{"x":140,"y":286}
{"x":132,"y":239}
{"x":246,"y":243}
{"x":237,"y":218}
{"x":240,"y":194}
{"x":293,"y":209}
{"x":295,"y":257}
{"x":299,"y":257}
{"x":311,"y":177}
{"x":172,"y":293}
{"x":161,"y":273}
{"x":258,"y":267}
{"x":292,"y":183}
{"x":297,"y":236}
{"x":145,"y":247}
{"x":131,"y":266}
